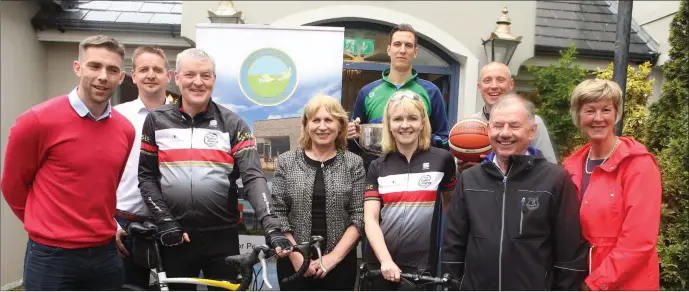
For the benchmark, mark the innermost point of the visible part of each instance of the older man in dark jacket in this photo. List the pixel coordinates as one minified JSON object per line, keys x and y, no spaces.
{"x":513,"y":222}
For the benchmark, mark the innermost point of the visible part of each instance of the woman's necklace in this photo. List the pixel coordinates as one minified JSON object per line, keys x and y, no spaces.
{"x":586,"y":166}
{"x":320,"y":159}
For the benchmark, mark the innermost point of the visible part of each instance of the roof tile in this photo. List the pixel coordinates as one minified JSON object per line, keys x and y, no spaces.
{"x":549,"y":41}
{"x":176,"y":9}
{"x":597,"y":26}
{"x":594,"y":9}
{"x":544,"y":13}
{"x":607,"y":36}
{"x":601,"y":46}
{"x":96,"y":15}
{"x":590,"y":25}
{"x":579,"y":44}
{"x":597,"y":17}
{"x":639,"y":48}
{"x":131,"y":6}
{"x":135,"y":17}
{"x":95,"y":5}
{"x":156,"y":7}
{"x":166,"y":18}
{"x":566,"y":15}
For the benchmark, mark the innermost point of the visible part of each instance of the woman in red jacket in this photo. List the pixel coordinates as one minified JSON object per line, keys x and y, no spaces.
{"x":620,"y":192}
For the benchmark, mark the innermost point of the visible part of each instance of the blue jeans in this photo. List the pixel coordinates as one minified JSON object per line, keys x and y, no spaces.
{"x":55,"y":268}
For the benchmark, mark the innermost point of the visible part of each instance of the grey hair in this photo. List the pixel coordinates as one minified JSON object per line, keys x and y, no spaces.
{"x":508,"y":99}
{"x":194,"y":53}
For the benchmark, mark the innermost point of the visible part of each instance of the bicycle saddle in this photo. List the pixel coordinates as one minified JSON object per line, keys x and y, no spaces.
{"x":143,"y":230}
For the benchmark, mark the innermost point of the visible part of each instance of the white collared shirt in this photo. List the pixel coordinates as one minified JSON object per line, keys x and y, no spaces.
{"x":128,"y":194}
{"x":81,"y":109}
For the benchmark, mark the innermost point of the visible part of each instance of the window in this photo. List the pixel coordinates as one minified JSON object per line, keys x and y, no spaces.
{"x":368,"y":45}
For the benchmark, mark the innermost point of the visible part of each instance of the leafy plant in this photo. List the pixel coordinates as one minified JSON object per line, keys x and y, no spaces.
{"x":639,"y":89}
{"x":667,"y":137}
{"x":554,"y":85}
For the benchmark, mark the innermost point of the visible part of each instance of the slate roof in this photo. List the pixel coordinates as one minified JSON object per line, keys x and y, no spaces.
{"x":591,"y":26}
{"x":149,"y":16}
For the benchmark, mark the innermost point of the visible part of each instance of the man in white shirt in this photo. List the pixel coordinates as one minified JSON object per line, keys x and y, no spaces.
{"x":495,"y":81}
{"x":151,"y":73}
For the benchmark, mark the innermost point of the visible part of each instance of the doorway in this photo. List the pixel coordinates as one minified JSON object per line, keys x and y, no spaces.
{"x":365,"y":58}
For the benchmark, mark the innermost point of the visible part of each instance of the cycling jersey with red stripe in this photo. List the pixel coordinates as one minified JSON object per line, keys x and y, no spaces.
{"x":410,"y":194}
{"x":189,"y":167}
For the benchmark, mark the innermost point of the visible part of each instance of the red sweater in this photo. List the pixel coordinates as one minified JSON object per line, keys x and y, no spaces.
{"x":61,"y":173}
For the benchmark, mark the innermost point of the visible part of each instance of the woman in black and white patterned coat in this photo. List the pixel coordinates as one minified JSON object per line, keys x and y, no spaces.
{"x":318,"y":190}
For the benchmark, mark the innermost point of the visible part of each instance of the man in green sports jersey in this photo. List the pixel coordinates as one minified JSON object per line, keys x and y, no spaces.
{"x":372,"y":98}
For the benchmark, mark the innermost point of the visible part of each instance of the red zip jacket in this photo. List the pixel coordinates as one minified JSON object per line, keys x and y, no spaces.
{"x":620,"y":217}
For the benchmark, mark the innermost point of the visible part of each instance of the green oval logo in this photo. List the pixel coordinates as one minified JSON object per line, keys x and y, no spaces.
{"x":268,"y":77}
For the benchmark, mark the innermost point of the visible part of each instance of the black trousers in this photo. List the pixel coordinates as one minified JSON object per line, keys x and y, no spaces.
{"x":341,"y":278}
{"x":205,"y":252}
{"x":380,"y":284}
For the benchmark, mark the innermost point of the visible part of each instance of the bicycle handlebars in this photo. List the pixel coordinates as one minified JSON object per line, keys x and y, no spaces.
{"x":246,"y":262}
{"x":414,"y":277}
{"x":305,"y":250}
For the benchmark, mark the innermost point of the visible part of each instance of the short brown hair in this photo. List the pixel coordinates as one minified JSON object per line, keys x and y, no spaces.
{"x":594,"y":90}
{"x":151,"y":50}
{"x":405,"y":27}
{"x":101,"y":41}
{"x":334,"y":108}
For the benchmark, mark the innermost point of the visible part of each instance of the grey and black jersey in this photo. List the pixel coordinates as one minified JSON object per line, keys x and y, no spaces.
{"x":188,"y":168}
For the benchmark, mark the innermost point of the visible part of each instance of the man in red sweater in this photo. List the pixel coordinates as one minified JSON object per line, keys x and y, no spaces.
{"x":63,"y":163}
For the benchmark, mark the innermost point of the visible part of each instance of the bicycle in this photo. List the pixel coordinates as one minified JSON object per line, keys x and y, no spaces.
{"x":244,"y":263}
{"x":414,"y":280}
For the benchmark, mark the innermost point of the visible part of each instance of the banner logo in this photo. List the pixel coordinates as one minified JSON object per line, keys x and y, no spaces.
{"x":268,"y":77}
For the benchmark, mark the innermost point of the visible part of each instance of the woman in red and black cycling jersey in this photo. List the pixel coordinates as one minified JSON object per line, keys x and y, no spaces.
{"x":402,"y":201}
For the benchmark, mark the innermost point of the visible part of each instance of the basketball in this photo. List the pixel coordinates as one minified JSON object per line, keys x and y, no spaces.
{"x":469,"y":140}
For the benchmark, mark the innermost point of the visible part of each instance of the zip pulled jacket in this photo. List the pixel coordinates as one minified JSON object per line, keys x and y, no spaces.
{"x":620,"y":217}
{"x":518,"y":231}
{"x":189,"y":167}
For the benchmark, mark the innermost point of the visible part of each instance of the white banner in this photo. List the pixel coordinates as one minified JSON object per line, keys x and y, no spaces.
{"x":266,"y":74}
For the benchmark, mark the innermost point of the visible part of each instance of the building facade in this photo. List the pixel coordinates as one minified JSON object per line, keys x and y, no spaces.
{"x":40,"y":41}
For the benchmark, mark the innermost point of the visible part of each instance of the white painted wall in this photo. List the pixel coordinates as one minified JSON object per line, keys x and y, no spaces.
{"x":655,"y":18}
{"x":22,"y":75}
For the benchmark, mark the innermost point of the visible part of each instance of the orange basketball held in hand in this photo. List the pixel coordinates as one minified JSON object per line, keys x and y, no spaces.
{"x":469,"y":140}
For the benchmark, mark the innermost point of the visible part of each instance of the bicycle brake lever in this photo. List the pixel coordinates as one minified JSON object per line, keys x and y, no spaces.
{"x":264,"y":269}
{"x":317,"y":245}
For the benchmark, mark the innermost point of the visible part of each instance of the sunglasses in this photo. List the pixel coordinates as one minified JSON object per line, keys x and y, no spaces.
{"x":398,"y":97}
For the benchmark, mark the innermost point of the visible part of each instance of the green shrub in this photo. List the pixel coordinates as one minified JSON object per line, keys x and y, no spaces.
{"x":667,"y":131}
{"x":554,"y":85}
